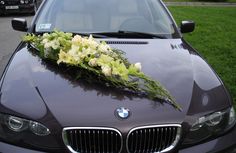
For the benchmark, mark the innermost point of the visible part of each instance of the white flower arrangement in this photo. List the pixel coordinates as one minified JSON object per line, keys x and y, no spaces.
{"x":100,"y":59}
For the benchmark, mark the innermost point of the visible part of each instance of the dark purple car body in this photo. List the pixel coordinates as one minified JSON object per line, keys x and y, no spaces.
{"x":84,"y":117}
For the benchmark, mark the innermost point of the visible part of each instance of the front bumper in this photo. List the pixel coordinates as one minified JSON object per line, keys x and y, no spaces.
{"x":27,"y":8}
{"x":7,"y":148}
{"x":223,"y":144}
{"x":209,"y":149}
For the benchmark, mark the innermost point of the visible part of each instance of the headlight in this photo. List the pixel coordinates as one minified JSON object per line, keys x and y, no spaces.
{"x":210,"y":125}
{"x":18,"y":125}
{"x":25,"y":132}
{"x":2,"y":2}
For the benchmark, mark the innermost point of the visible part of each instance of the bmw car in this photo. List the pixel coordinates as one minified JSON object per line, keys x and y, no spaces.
{"x":19,"y":6}
{"x":43,"y":108}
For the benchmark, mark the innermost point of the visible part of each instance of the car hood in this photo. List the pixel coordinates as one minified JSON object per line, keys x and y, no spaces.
{"x":34,"y":88}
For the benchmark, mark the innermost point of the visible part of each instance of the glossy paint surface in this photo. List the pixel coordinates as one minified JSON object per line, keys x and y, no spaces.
{"x":34,"y":88}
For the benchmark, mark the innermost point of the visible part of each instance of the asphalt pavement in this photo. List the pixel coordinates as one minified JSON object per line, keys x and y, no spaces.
{"x":9,"y":39}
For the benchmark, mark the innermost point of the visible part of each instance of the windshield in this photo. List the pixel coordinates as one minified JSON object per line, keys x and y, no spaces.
{"x":104,"y":16}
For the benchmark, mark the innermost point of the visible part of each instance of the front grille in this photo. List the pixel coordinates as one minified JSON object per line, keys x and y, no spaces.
{"x":92,"y":140}
{"x":152,"y":139}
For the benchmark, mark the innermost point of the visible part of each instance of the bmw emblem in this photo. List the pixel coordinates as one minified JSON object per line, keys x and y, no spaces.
{"x":122,"y":112}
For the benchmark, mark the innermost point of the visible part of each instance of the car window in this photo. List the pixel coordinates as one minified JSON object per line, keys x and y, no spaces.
{"x":91,"y":16}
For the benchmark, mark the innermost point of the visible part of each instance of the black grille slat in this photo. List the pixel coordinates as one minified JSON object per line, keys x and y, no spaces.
{"x":132,"y":143}
{"x":98,"y":138}
{"x":140,"y":142}
{"x":149,"y":140}
{"x":103,"y":141}
{"x":111,"y":140}
{"x":152,"y":139}
{"x":108,"y":147}
{"x":71,"y":137}
{"x":162,"y":138}
{"x":173,"y":133}
{"x":158,"y":140}
{"x":76,"y":140}
{"x":93,"y":140}
{"x":85,"y":141}
{"x":128,"y":42}
{"x":90,"y":141}
{"x":116,"y":142}
{"x":169,"y":136}
{"x":145,"y":140}
{"x":80,"y":141}
{"x":166,"y":137}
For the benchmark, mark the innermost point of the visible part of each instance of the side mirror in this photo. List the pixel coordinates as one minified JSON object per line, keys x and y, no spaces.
{"x":19,"y":24}
{"x":187,"y":26}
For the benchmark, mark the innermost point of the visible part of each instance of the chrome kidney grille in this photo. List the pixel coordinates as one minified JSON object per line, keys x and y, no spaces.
{"x":146,"y":139}
{"x":151,"y":139}
{"x":92,"y":140}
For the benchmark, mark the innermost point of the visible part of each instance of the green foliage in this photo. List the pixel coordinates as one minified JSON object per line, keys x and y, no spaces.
{"x":214,"y":37}
{"x":212,"y":0}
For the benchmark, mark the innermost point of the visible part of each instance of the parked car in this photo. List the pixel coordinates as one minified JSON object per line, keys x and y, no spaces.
{"x":19,"y":6}
{"x":44,"y":109}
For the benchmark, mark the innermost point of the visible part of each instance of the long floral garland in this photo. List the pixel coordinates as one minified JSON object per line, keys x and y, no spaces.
{"x":101,"y":60}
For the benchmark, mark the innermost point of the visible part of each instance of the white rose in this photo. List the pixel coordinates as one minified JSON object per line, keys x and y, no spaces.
{"x":74,"y":54}
{"x":138,"y":66}
{"x":47,"y":45}
{"x":77,"y":38}
{"x":73,"y":51}
{"x":93,"y":44}
{"x":104,"y":48}
{"x":45,"y":41}
{"x":85,"y":42}
{"x":55,"y":44}
{"x":93,"y":62}
{"x":82,"y":56}
{"x":46,"y":35}
{"x":106,"y":70}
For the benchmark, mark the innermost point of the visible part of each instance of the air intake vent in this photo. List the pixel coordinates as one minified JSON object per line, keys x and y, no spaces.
{"x":92,"y":140}
{"x":152,"y":139}
{"x":128,"y":42}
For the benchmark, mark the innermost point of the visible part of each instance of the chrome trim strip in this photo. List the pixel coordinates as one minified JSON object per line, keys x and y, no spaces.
{"x":177,"y":138}
{"x":65,"y":140}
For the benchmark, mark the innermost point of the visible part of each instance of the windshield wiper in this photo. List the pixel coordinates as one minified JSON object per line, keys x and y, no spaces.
{"x":130,"y":34}
{"x":142,"y":34}
{"x":118,"y":34}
